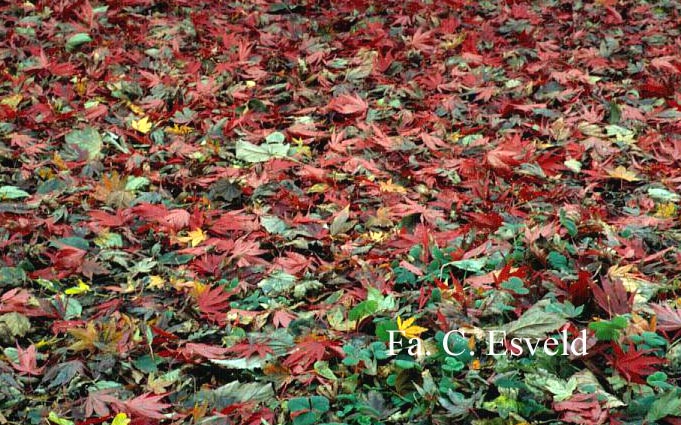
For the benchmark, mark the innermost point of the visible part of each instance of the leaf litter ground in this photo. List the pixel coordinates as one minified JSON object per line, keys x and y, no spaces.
{"x":217,"y":212}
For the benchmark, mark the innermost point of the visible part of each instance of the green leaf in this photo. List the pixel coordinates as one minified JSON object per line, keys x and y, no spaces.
{"x":516,"y":285}
{"x":134,"y":183}
{"x":659,"y":380}
{"x":77,"y":40}
{"x":667,"y":405}
{"x":608,"y":330}
{"x":249,"y":152}
{"x":569,"y":225}
{"x":663,"y":195}
{"x":275,"y":137}
{"x":382,"y":329}
{"x":312,"y":408}
{"x":13,"y":325}
{"x":322,"y":368}
{"x":277,"y":283}
{"x":534,"y":323}
{"x":573,"y":165}
{"x":471,"y":265}
{"x":558,"y":261}
{"x":273,"y":224}
{"x":73,"y":309}
{"x":238,"y":392}
{"x":363,"y":309}
{"x":12,"y":192}
{"x":57,"y":420}
{"x":88,"y":139}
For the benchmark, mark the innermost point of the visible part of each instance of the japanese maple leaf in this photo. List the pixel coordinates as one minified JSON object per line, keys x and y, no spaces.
{"x":633,"y":364}
{"x":410,"y":207}
{"x":147,"y":406}
{"x":503,"y":158}
{"x":233,"y":221}
{"x":579,"y":290}
{"x":282,"y":318}
{"x":192,"y":350}
{"x":432,"y":142}
{"x":247,"y":349}
{"x":347,"y":104}
{"x":99,"y":401}
{"x":582,"y":409}
{"x":214,"y":303}
{"x":246,"y":252}
{"x":420,"y":40}
{"x":668,"y":319}
{"x":293,"y":263}
{"x":21,"y":301}
{"x":311,"y":349}
{"x":28,"y":363}
{"x":175,"y":219}
{"x":612,"y":297}
{"x":491,"y":221}
{"x":172,"y":219}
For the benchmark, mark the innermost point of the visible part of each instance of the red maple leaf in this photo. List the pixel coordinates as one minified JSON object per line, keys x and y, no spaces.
{"x":104,"y":219}
{"x":213,"y":304}
{"x":147,"y":406}
{"x":579,"y":290}
{"x":28,"y":362}
{"x":282,"y":318}
{"x":633,"y":364}
{"x":612,"y":297}
{"x":193,"y":350}
{"x":99,"y":401}
{"x":668,"y":319}
{"x":311,"y":349}
{"x":582,"y":409}
{"x":247,"y":349}
{"x":347,"y":104}
{"x":233,"y":221}
{"x":21,"y":301}
{"x":490,"y":221}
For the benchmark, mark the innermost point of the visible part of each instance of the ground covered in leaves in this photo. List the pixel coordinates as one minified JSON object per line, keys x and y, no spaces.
{"x":215,"y":212}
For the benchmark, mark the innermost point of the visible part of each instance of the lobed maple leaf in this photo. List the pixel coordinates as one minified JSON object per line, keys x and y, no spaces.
{"x":347,"y":104}
{"x":634,"y":365}
{"x":612,"y":296}
{"x":581,"y":409}
{"x":311,"y":349}
{"x":28,"y":362}
{"x":668,"y":319}
{"x":191,"y":350}
{"x":247,"y":349}
{"x":579,"y":290}
{"x":147,"y":406}
{"x":213,"y":303}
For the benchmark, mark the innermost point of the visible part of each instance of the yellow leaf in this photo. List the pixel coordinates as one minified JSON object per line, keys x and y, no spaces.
{"x":143,"y":125}
{"x":194,"y":238}
{"x":120,"y":419}
{"x":155,"y":282}
{"x":622,"y":173}
{"x":12,"y":101}
{"x":318,"y":188}
{"x":250,"y":84}
{"x":77,"y":290}
{"x":180,"y":130}
{"x":135,"y":109}
{"x":408,"y":329}
{"x":666,"y":210}
{"x":378,"y":236}
{"x":391,"y":187}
